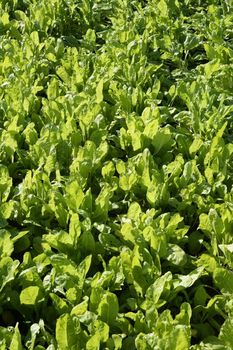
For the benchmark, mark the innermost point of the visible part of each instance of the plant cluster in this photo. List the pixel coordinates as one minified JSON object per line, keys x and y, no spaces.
{"x":116,"y":174}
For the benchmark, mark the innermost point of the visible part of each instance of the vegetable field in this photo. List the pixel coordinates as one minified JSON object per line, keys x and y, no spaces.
{"x":116,"y":174}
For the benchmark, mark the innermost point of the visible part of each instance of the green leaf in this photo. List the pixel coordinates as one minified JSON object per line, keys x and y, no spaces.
{"x":75,"y":228}
{"x":16,"y":343}
{"x":226,"y":332}
{"x":212,"y":67}
{"x":162,"y":6}
{"x":126,"y":182}
{"x":30,"y":134}
{"x":147,"y":342}
{"x":59,"y":304}
{"x":161,"y":139}
{"x":200,"y":296}
{"x":93,"y":343}
{"x":151,"y":129}
{"x":87,"y":243}
{"x":101,"y":328}
{"x":176,"y":255}
{"x":134,"y":211}
{"x":30,"y":295}
{"x":8,"y":270}
{"x":68,"y":333}
{"x":223,"y":279}
{"x":102,"y":204}
{"x":216,"y":223}
{"x":6,"y":244}
{"x":99,"y":91}
{"x":74,"y":195}
{"x":215,"y":144}
{"x":35,"y":38}
{"x":108,"y":308}
{"x":195,"y":146}
{"x":157,"y":192}
{"x":90,"y":36}
{"x":155,"y":291}
{"x":5,"y":183}
{"x":186,"y":281}
{"x":53,"y":89}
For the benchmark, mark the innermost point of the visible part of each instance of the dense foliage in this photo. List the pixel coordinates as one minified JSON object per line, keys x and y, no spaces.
{"x":116,"y":174}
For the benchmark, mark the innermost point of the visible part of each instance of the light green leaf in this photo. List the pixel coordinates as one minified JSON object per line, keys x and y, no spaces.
{"x":186,"y":281}
{"x":226,"y":332}
{"x":214,"y":148}
{"x":223,"y":279}
{"x":68,"y":331}
{"x":126,"y":182}
{"x":94,"y":342}
{"x":162,"y":6}
{"x":5,"y":183}
{"x":108,"y":308}
{"x":6,"y":244}
{"x":99,"y":91}
{"x":30,"y":295}
{"x":8,"y":270}
{"x":195,"y":146}
{"x":101,"y":328}
{"x":75,"y":228}
{"x":74,"y":195}
{"x":134,"y":211}
{"x":154,"y":292}
{"x":16,"y":343}
{"x":176,"y":255}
